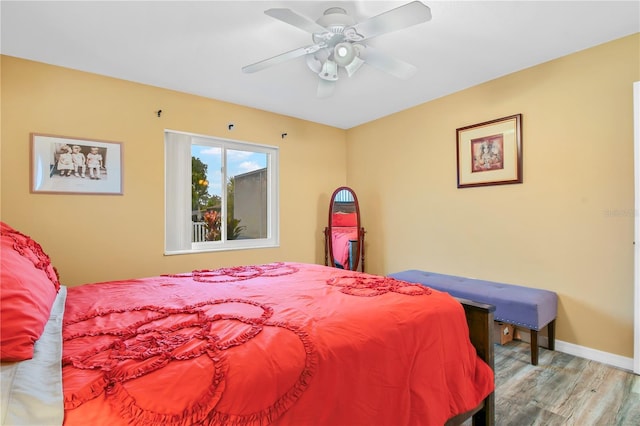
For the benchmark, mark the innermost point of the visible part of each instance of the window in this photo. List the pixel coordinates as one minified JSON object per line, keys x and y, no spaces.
{"x":219,"y":194}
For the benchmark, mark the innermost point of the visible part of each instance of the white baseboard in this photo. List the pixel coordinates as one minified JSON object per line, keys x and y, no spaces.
{"x":613,"y":360}
{"x":608,"y":358}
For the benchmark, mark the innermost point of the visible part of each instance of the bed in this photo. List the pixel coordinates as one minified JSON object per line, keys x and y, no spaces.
{"x":282,"y":343}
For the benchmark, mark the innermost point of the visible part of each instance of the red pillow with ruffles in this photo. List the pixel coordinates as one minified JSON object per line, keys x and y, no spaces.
{"x":344,"y":219}
{"x":28,"y":287}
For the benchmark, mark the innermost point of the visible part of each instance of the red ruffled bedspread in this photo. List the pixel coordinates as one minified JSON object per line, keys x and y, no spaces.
{"x":285,"y":343}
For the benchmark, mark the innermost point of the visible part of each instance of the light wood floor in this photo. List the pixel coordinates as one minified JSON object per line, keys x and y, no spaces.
{"x":562,"y":390}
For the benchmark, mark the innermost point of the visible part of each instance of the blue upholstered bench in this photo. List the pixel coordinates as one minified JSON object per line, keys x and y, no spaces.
{"x":521,"y":306}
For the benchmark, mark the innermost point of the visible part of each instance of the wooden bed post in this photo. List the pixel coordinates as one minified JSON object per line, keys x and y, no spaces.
{"x":480,"y":321}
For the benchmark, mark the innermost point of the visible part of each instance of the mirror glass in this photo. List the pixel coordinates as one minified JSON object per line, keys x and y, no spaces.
{"x":344,"y":237}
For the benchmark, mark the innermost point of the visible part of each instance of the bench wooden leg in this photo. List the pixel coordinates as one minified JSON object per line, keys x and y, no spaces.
{"x":534,"y":347}
{"x":551,"y":332}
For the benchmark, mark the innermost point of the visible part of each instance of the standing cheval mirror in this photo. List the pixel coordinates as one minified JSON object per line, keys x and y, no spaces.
{"x":344,"y":236}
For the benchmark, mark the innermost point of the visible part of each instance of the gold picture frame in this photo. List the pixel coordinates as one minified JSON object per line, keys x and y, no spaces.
{"x":70,"y":165}
{"x":490,"y":153}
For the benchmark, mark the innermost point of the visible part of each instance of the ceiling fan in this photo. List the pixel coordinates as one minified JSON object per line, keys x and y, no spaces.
{"x":339,"y":42}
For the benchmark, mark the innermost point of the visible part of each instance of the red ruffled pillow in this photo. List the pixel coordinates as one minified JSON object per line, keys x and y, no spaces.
{"x":344,"y":219}
{"x":28,"y":288}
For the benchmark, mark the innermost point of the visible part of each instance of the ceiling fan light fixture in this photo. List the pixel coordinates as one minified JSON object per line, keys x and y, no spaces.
{"x":344,"y":53}
{"x":353,"y":66}
{"x":329,"y":71}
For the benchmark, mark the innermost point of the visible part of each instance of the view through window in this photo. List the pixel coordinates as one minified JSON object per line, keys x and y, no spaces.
{"x":233,"y":193}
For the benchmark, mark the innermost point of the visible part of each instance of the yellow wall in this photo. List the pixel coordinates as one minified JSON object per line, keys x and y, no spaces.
{"x":569,"y":227}
{"x":97,"y":238}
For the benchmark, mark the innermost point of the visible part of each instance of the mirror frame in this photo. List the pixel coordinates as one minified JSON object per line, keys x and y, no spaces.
{"x":329,"y":258}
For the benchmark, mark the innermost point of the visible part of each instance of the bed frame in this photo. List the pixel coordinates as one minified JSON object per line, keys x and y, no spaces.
{"x":480,"y":321}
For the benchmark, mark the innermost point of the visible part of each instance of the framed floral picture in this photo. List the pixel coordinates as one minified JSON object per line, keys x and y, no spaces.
{"x":490,"y":153}
{"x":63,"y":164}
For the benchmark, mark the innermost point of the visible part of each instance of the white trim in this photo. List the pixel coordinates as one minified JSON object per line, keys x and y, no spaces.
{"x":210,"y":248}
{"x":636,"y":305}
{"x":613,"y":360}
{"x":608,"y":358}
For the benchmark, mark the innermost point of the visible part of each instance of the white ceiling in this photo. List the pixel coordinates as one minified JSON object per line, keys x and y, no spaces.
{"x":200,"y":47}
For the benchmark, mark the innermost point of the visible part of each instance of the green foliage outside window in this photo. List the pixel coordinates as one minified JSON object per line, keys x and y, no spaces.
{"x":209,"y":205}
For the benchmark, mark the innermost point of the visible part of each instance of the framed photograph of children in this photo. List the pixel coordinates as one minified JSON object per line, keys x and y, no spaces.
{"x":69,"y":165}
{"x":490,"y":153}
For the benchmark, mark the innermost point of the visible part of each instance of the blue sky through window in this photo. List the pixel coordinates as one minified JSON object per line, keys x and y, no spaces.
{"x":238,"y":162}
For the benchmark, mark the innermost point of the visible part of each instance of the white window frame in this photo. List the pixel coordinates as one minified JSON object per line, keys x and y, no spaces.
{"x":178,"y":194}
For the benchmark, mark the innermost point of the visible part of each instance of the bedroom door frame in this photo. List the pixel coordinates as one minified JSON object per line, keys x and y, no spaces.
{"x":636,"y":304}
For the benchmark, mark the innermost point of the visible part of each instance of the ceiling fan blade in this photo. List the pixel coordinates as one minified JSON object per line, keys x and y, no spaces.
{"x":388,"y":64}
{"x":292,"y":54}
{"x":395,"y":19}
{"x":293,"y":18}
{"x":325,"y":87}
